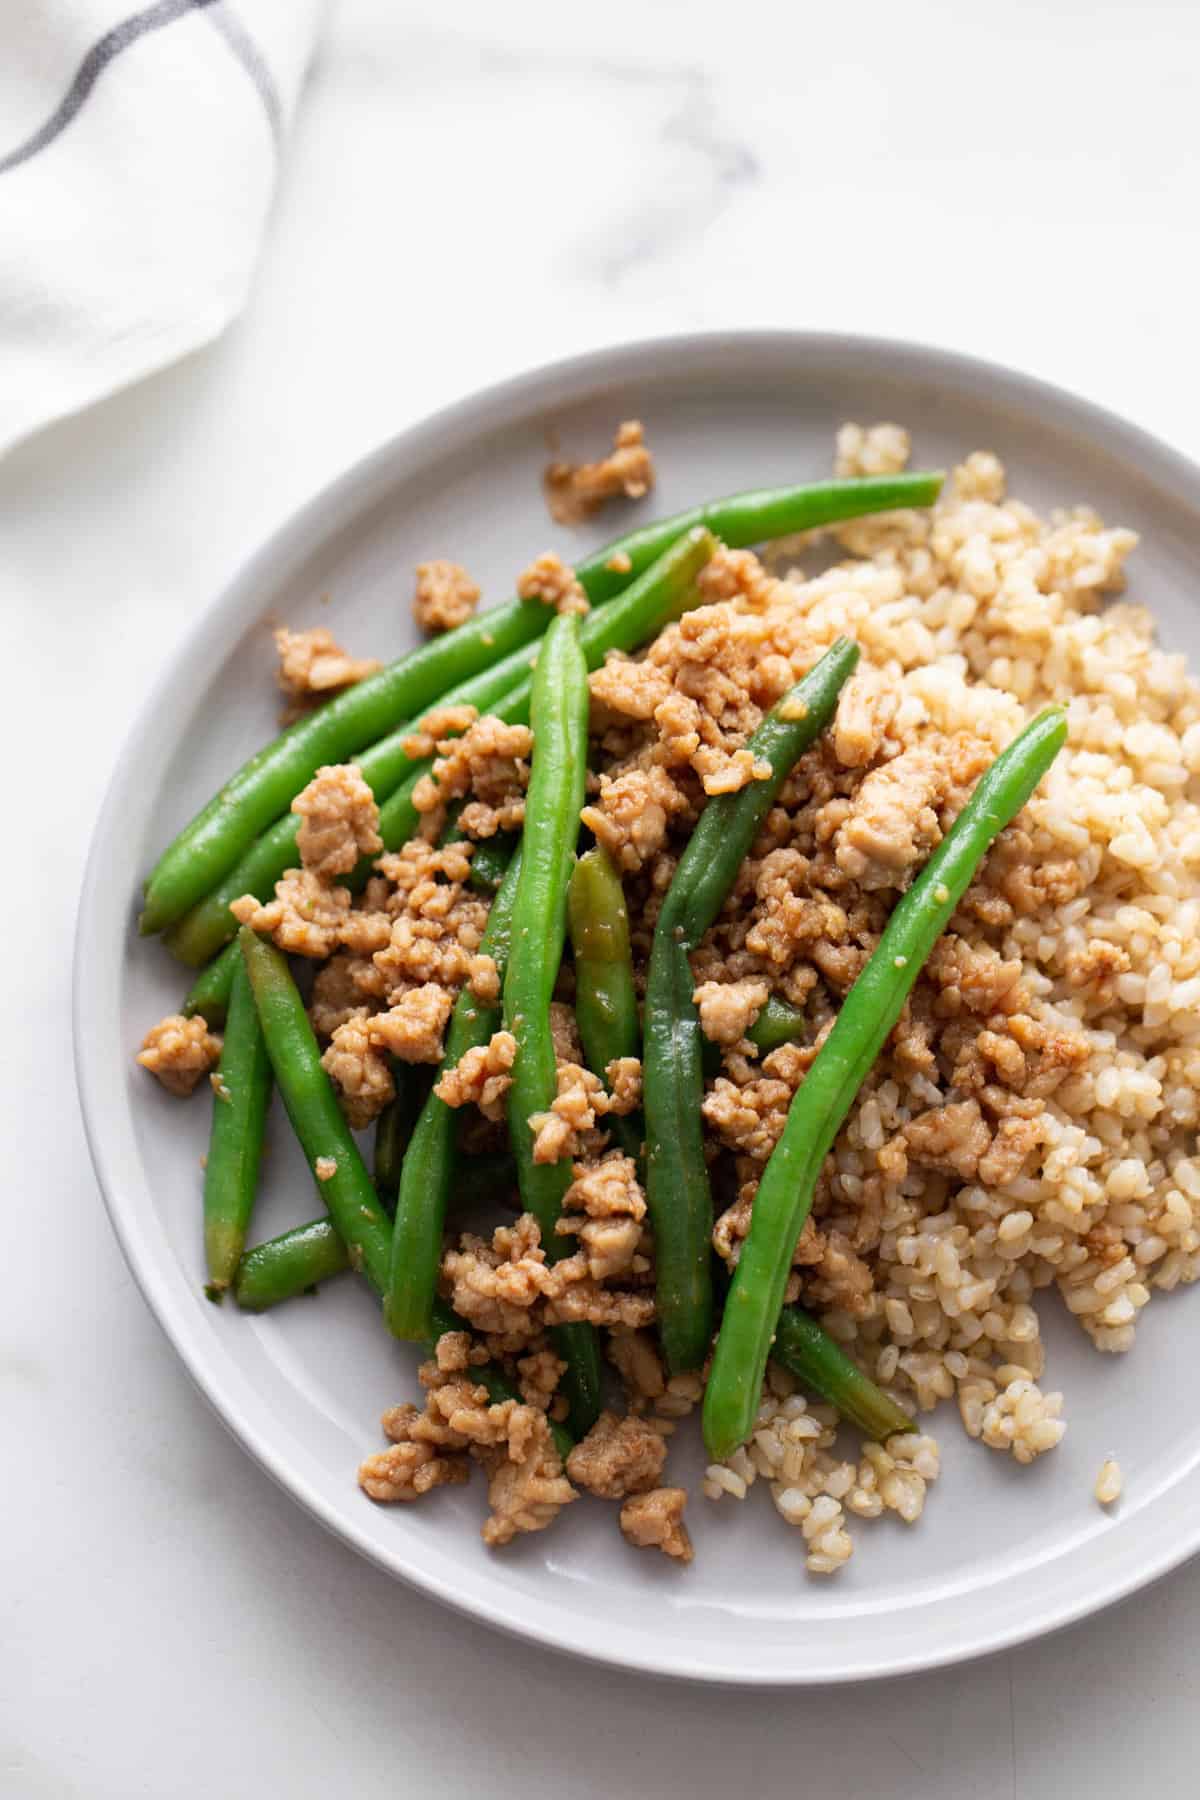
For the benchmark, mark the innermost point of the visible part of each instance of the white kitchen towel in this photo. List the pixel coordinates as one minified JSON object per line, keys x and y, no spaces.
{"x":138,"y":156}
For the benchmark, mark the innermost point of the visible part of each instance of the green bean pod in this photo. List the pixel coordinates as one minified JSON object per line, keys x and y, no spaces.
{"x":394,"y":1128}
{"x":677,"y":1186}
{"x":559,"y":713}
{"x":606,"y":1008}
{"x":209,"y":993}
{"x":778,"y":1023}
{"x":318,"y":1121}
{"x":806,"y":1350}
{"x":262,"y":789}
{"x":241,"y":1096}
{"x":490,"y":860}
{"x":293,"y":1263}
{"x":429,"y":1166}
{"x":385,"y":767}
{"x":868,"y":1014}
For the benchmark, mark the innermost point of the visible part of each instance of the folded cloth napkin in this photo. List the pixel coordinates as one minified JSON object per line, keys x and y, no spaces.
{"x":138,"y":157}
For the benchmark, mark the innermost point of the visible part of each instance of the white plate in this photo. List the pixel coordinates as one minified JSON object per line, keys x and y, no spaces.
{"x":1002,"y":1553}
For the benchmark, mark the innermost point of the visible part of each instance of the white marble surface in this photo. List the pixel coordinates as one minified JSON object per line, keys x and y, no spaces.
{"x":465,"y":196}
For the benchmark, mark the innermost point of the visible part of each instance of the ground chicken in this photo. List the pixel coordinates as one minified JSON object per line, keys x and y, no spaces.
{"x":538,"y":1376}
{"x":441,"y":722}
{"x":624,"y":1077}
{"x":488,"y":761}
{"x":412,"y":1027}
{"x":892,"y":824}
{"x":655,"y":1521}
{"x":180,"y":1052}
{"x":407,"y":1470}
{"x":552,"y":582}
{"x":305,"y":918}
{"x":618,"y":1457}
{"x":631,"y":816}
{"x":635,"y":1356}
{"x":603,"y":1209}
{"x":339,"y":821}
{"x":445,"y":596}
{"x":313,"y":663}
{"x":560,"y":1133}
{"x":359,"y":1070}
{"x":950,"y":1137}
{"x":866,"y":707}
{"x":481,"y":1077}
{"x":574,"y":490}
{"x":729,"y":1008}
{"x":622,"y":689}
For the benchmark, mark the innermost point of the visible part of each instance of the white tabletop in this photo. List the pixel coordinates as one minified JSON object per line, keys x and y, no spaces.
{"x":470,"y":190}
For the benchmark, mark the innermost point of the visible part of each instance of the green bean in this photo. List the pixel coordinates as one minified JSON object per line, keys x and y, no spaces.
{"x":492,"y":856}
{"x":677,"y":1186}
{"x":241,"y":1095}
{"x":394,"y":1128}
{"x":868,"y":1014}
{"x":605,"y":1001}
{"x":559,"y":713}
{"x":209,"y":993}
{"x":326,"y":1139}
{"x":307,"y":1093}
{"x":778,"y":1023}
{"x":385,"y":767}
{"x":298,"y":1260}
{"x":806,"y":1350}
{"x":293,"y":1263}
{"x":429,"y":1166}
{"x":264,"y":786}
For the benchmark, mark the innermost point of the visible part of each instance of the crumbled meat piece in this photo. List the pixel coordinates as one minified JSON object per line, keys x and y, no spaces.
{"x":306,"y":917}
{"x":603,"y":1208}
{"x":405,"y":1471}
{"x":574,"y":490}
{"x":636,"y":1358}
{"x":949,"y":1137}
{"x":481,"y":1077}
{"x":552,"y":582}
{"x":655,"y":1521}
{"x":622,"y":689}
{"x":840,"y":1278}
{"x":443,"y":722}
{"x":488,"y":760}
{"x":339,"y":821}
{"x":314,"y":663}
{"x":1014,"y":1140}
{"x":483,"y":979}
{"x":538,"y":1376}
{"x":892,"y":823}
{"x":729,"y":1008}
{"x":618,"y":1457}
{"x":624,"y":1077}
{"x":526,"y":1485}
{"x":979,"y":980}
{"x":631,"y":816}
{"x":529,"y":1494}
{"x":412,"y":1027}
{"x":359,"y":1071}
{"x":180,"y":1052}
{"x":585,"y":1302}
{"x":454,"y":1352}
{"x":325,"y":1168}
{"x":749,"y":1118}
{"x":736,"y":575}
{"x":338,"y":993}
{"x":866,"y":708}
{"x":559,"y":1133}
{"x":445,"y":596}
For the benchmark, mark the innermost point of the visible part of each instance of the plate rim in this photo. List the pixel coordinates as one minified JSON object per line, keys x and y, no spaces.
{"x":326,"y":510}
